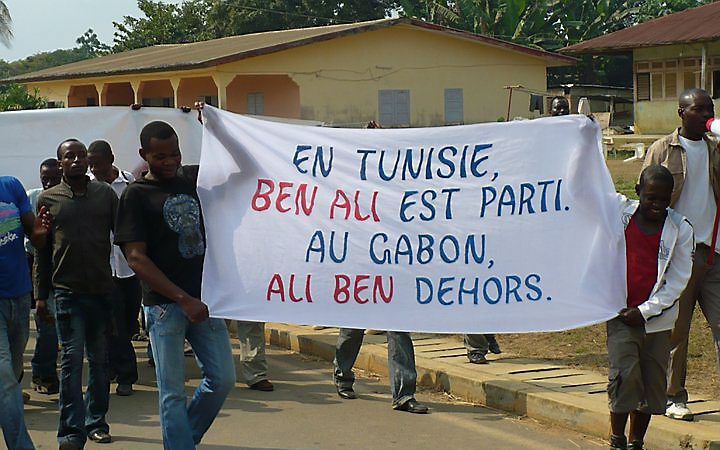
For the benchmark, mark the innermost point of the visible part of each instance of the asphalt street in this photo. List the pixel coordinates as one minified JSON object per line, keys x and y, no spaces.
{"x":304,"y":412}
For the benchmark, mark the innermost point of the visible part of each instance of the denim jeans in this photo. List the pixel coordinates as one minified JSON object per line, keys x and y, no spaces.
{"x":125,"y":300}
{"x":401,"y":362}
{"x":82,"y":324}
{"x":14,"y":331}
{"x":253,"y":364}
{"x":183,"y":423}
{"x":44,"y":360}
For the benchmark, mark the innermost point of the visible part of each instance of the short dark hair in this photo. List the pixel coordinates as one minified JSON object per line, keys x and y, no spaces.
{"x":101,"y":147}
{"x":559,"y":98}
{"x":656,"y":173}
{"x":59,"y":156}
{"x":50,"y":162}
{"x":156,"y":130}
{"x":687,"y":96}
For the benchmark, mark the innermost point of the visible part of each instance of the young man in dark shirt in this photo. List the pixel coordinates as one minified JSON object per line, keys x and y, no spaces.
{"x":76,"y":265}
{"x":160,"y":230}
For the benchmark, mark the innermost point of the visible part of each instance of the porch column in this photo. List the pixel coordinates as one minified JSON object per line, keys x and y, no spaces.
{"x":135,"y":84}
{"x":222,"y":80}
{"x":99,"y":88}
{"x":175,"y":83}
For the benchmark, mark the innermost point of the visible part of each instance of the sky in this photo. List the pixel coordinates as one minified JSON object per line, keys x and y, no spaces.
{"x":46,"y":25}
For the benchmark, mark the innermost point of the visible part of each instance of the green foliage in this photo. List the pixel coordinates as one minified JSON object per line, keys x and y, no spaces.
{"x":163,"y":23}
{"x":552,"y":25}
{"x":16,"y":97}
{"x":197,"y":20}
{"x":42,"y":61}
{"x":91,"y":45}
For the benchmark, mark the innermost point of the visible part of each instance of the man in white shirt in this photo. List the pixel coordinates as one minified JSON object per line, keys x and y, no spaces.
{"x":694,"y":160}
{"x":127,"y":293}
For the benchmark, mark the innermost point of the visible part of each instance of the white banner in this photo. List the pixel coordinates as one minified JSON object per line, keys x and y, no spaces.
{"x":480,"y":228}
{"x":30,"y":137}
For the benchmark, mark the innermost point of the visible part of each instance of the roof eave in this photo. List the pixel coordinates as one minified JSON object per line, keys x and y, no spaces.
{"x":630,"y":47}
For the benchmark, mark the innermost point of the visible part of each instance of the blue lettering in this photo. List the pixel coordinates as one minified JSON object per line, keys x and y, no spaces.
{"x":426,"y":282}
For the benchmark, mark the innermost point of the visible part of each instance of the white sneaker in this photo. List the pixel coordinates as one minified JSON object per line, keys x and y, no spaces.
{"x":679,"y":411}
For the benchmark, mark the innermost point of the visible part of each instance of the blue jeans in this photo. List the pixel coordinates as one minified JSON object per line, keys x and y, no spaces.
{"x":14,"y":331}
{"x":81,"y":324}
{"x":183,"y":423}
{"x":401,"y":362}
{"x":44,"y":360}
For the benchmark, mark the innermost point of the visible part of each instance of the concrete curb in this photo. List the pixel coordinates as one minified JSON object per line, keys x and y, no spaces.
{"x":489,"y":386}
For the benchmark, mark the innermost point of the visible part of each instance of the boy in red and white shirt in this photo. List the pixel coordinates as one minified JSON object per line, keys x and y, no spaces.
{"x":659,"y":249}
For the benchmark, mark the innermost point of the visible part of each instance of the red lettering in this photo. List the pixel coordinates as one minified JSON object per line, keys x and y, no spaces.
{"x":359,"y":288}
{"x":301,"y":201}
{"x":292,"y":289}
{"x":373,"y":207}
{"x":379,"y":291}
{"x":264,"y":197}
{"x":276,"y":287}
{"x":341,"y":201}
{"x":282,"y":196}
{"x":358,"y":215}
{"x":341,"y":290}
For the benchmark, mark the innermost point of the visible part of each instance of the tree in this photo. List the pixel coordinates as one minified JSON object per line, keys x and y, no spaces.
{"x":162,"y":24}
{"x":196,"y":20}
{"x":91,"y":45}
{"x":16,"y":97}
{"x":5,"y":25}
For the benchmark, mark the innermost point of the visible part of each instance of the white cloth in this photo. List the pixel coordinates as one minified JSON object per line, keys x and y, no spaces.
{"x":118,"y":263}
{"x":677,"y":245}
{"x":697,"y":201}
{"x":549,"y":249}
{"x":23,"y":151}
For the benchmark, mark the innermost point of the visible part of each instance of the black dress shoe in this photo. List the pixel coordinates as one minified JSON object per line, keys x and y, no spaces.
{"x":263,"y":385}
{"x":347,"y":393}
{"x":412,"y":406}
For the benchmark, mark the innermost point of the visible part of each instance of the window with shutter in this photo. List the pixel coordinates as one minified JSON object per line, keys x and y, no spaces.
{"x":453,"y":106}
{"x":394,"y":107}
{"x":642,"y":85}
{"x":256,"y":103}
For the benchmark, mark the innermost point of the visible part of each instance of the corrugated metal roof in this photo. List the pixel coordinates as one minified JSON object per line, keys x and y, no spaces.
{"x":220,"y":51}
{"x":699,"y":24}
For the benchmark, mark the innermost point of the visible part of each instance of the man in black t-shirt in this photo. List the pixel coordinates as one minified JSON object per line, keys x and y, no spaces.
{"x":160,"y":230}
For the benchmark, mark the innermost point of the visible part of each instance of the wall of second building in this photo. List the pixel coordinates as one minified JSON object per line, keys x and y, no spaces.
{"x":340,"y":80}
{"x":662,"y":73}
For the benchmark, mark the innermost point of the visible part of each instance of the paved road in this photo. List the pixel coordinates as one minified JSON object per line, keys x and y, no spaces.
{"x":305,"y":413}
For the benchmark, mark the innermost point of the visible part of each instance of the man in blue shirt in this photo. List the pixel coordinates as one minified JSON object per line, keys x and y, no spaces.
{"x":16,"y":221}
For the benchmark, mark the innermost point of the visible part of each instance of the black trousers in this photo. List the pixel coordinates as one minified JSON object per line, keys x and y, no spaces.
{"x":125,"y":302}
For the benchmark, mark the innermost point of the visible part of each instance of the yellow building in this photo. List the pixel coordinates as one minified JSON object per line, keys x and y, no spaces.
{"x":400,"y":72}
{"x":670,"y":54}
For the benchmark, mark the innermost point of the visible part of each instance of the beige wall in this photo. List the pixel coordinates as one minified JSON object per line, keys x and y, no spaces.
{"x":339,"y":79}
{"x":281,"y":94}
{"x":192,"y":88}
{"x":156,"y":89}
{"x":78,"y":95}
{"x":118,"y":94}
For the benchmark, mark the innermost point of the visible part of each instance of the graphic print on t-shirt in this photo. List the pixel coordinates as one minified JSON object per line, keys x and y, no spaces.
{"x":182,"y":215}
{"x":9,"y":223}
